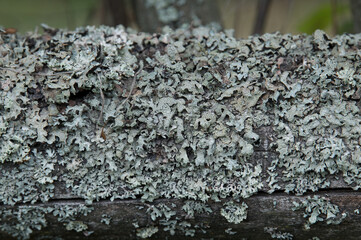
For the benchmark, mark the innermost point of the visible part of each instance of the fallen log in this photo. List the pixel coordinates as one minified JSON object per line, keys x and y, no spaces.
{"x":112,"y":134}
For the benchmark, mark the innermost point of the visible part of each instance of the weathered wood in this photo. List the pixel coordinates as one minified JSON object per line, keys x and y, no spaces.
{"x":106,"y":134}
{"x":264,"y":211}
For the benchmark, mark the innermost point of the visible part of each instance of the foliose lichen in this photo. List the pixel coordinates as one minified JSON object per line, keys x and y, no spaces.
{"x":106,"y":219}
{"x":319,"y":209}
{"x":77,"y":226}
{"x":146,"y":232}
{"x":229,"y":231}
{"x":192,"y":207}
{"x":21,"y":222}
{"x":114,"y":114}
{"x":234,"y":212}
{"x":278,"y":234}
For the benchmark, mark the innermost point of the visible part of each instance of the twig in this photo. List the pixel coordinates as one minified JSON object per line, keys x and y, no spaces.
{"x":103,"y":100}
{"x":130,"y":92}
{"x":133,"y":83}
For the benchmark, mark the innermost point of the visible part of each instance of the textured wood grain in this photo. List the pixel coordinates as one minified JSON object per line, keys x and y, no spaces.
{"x":264,"y":211}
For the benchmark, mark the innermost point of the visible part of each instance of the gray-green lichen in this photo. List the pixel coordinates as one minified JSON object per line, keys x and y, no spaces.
{"x":277,"y":234}
{"x":229,"y":231}
{"x":184,"y":114}
{"x":234,"y":212}
{"x":146,"y":232}
{"x":159,"y":211}
{"x":319,"y":209}
{"x":105,"y":219}
{"x":192,"y":207}
{"x":77,"y":226}
{"x":21,"y":222}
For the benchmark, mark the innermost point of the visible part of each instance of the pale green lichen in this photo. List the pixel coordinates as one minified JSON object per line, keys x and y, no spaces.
{"x":192,"y":207}
{"x":146,"y":232}
{"x":229,"y":231}
{"x":318,"y":209}
{"x":234,"y":212}
{"x":181,"y":227}
{"x":77,"y":226}
{"x":159,"y":211}
{"x":278,"y":234}
{"x":106,"y":219}
{"x":21,"y":222}
{"x":203,"y":109}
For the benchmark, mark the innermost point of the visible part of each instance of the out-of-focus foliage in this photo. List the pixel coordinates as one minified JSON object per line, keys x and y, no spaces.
{"x":296,"y":16}
{"x":323,"y":18}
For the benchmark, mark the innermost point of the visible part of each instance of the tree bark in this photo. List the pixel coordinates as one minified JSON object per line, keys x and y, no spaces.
{"x":263,"y":213}
{"x":356,"y":15}
{"x":152,"y":16}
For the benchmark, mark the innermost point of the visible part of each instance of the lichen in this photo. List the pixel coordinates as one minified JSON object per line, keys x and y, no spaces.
{"x":229,"y":231}
{"x":21,"y":222}
{"x":106,"y":219}
{"x":77,"y":226}
{"x":192,"y":207}
{"x":159,"y":211}
{"x":190,"y":114}
{"x":234,"y":212}
{"x":278,"y":234}
{"x":146,"y":232}
{"x":318,"y":209}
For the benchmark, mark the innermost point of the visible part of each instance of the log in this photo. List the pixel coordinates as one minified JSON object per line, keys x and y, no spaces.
{"x":188,"y":134}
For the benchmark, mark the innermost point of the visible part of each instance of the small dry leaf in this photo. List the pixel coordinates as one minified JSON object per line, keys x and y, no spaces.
{"x":102,"y":134}
{"x":10,"y":30}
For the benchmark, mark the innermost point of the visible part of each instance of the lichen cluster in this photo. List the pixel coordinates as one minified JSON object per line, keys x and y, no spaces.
{"x":203,"y":105}
{"x":274,"y":234}
{"x":21,"y":222}
{"x":234,"y":213}
{"x":318,"y":209}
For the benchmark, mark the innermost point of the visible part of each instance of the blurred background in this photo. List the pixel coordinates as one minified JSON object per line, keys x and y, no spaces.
{"x":246,"y":17}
